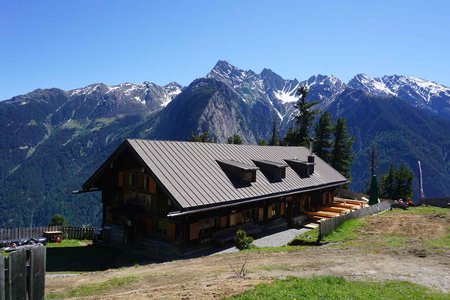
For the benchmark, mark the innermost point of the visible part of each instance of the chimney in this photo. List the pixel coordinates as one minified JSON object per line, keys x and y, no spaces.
{"x":311,"y":157}
{"x":311,"y":164}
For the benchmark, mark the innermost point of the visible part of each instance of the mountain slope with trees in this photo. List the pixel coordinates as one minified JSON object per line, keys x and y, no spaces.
{"x":52,"y":140}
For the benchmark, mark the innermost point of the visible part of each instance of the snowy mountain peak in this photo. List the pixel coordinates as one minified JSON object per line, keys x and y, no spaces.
{"x":329,"y":80}
{"x":370,"y":85}
{"x":227,"y":73}
{"x":416,"y":91}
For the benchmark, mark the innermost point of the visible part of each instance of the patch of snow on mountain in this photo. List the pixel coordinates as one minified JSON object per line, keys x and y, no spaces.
{"x":138,"y":99}
{"x":287,"y":95}
{"x":416,"y":88}
{"x":172,"y":91}
{"x":375,"y":84}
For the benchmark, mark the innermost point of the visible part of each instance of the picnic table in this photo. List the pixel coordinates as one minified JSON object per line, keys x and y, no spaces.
{"x":53,"y":236}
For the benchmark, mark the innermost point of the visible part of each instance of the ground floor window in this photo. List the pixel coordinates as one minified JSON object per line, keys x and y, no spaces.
{"x":250,"y":215}
{"x":275,"y":210}
{"x":206,"y":226}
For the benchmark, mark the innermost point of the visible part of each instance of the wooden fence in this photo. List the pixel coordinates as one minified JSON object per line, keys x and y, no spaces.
{"x":75,"y":233}
{"x":439,"y":202}
{"x":328,"y":226}
{"x":78,"y":233}
{"x":22,"y":274}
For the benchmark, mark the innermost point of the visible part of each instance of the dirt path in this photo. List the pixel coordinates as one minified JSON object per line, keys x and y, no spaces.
{"x":213,"y":277}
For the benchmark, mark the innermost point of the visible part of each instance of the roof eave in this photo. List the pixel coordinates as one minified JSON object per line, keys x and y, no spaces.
{"x":187,"y":211}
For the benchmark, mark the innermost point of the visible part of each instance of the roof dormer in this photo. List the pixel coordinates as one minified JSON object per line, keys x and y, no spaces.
{"x":239,"y":171}
{"x":303,"y":168}
{"x":274,"y":171}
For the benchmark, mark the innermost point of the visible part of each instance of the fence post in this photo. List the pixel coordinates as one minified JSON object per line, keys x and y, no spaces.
{"x":2,"y":278}
{"x":37,"y":273}
{"x":17,"y":275}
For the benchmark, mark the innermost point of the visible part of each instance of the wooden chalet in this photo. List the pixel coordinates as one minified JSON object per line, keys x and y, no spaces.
{"x":185,"y":193}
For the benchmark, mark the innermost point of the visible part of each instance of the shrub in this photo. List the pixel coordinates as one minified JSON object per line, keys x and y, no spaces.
{"x":242,"y":240}
{"x":58,"y":220}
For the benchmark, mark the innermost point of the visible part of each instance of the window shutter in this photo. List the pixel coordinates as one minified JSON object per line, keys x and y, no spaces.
{"x":152,"y":185}
{"x":120,"y":180}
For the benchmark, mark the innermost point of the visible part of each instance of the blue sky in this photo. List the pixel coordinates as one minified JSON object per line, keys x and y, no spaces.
{"x":70,"y":44}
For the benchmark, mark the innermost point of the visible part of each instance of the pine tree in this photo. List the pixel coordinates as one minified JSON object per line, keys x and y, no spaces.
{"x":291,"y":138}
{"x":404,"y":177}
{"x":397,"y":184}
{"x":388,"y":184}
{"x":341,"y":156}
{"x":305,"y":117}
{"x":235,"y":139}
{"x":323,"y":137}
{"x":262,"y":142}
{"x":274,"y":137}
{"x":201,"y":137}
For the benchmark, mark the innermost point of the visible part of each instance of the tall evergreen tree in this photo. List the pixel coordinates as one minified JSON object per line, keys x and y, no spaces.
{"x":372,"y":161}
{"x":404,"y":178}
{"x":291,"y":138}
{"x":305,"y":117}
{"x":397,"y":184}
{"x":323,"y":137}
{"x":388,"y":184}
{"x":341,"y":156}
{"x":274,"y":136}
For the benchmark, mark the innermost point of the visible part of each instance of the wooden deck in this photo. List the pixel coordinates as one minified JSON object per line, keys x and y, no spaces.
{"x":340,"y":207}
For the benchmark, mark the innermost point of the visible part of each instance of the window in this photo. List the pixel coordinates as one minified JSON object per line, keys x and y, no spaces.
{"x":161,"y":226}
{"x":276,"y":209}
{"x":131,"y":180}
{"x":137,"y":180}
{"x":206,"y":226}
{"x":249,"y":215}
{"x":143,"y":182}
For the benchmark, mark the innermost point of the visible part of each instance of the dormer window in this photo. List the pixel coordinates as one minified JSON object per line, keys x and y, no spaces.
{"x":239,"y":171}
{"x":302,"y":168}
{"x":274,"y":171}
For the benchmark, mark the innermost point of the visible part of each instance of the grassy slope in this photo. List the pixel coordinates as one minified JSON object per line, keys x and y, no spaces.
{"x":351,"y":234}
{"x":331,"y":287}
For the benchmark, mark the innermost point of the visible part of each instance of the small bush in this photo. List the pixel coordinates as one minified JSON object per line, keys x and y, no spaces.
{"x":58,"y":220}
{"x":242,"y":240}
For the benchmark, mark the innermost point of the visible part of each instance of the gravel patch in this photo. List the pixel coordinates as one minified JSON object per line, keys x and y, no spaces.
{"x":272,"y":240}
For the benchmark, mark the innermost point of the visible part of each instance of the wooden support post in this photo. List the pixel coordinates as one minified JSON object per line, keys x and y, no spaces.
{"x":37,"y":273}
{"x":2,"y":278}
{"x":17,"y":275}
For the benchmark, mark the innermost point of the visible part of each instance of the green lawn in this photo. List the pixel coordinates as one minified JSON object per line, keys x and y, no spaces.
{"x":331,"y":287}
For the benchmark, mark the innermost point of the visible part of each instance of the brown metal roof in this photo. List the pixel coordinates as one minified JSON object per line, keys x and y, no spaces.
{"x":189,"y":171}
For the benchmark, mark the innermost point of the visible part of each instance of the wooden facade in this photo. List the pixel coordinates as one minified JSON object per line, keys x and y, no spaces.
{"x":137,"y":206}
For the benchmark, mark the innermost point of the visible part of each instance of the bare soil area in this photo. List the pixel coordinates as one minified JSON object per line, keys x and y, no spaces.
{"x":214,"y":277}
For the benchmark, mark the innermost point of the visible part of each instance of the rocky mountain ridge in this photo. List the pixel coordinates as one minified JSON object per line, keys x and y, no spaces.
{"x":52,"y":140}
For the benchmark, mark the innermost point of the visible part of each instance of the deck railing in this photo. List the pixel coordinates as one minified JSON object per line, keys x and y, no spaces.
{"x":329,"y":225}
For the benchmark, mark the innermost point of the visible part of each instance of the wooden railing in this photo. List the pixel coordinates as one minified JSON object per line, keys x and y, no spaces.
{"x":329,"y":225}
{"x":75,"y":233}
{"x":22,"y":274}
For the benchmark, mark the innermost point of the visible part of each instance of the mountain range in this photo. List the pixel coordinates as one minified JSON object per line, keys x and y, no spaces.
{"x":52,"y":140}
